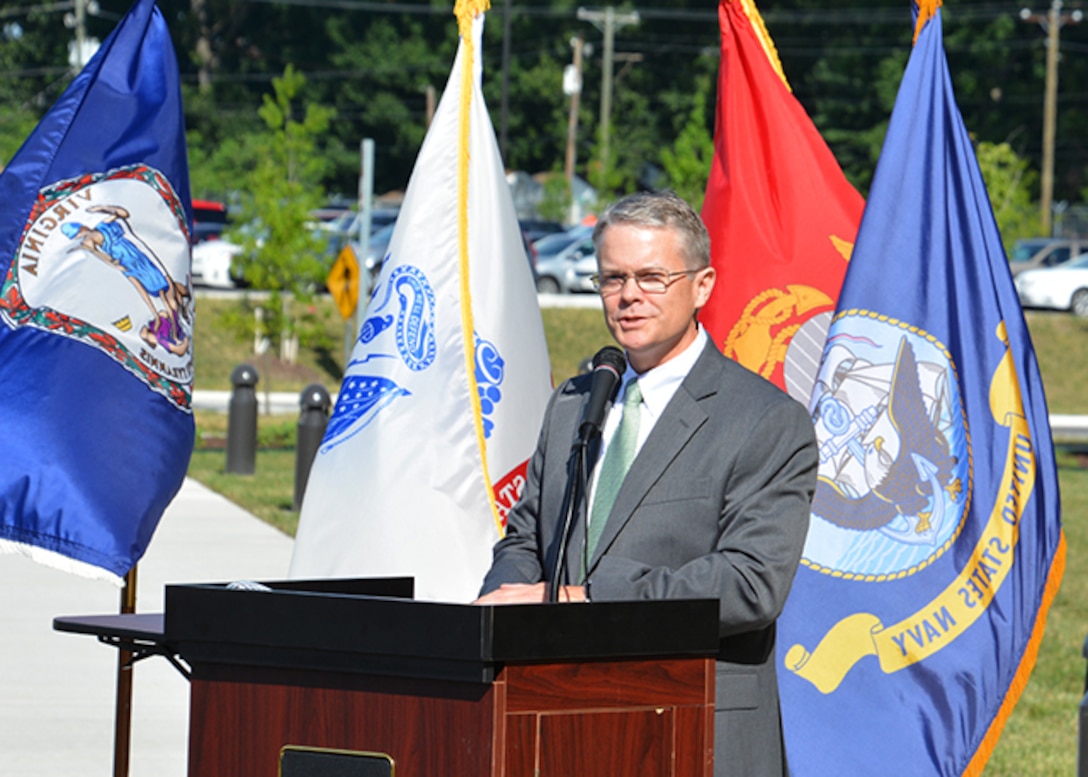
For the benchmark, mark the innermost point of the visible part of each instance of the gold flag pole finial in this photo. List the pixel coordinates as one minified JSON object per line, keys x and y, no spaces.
{"x":927,"y":9}
{"x":466,"y":11}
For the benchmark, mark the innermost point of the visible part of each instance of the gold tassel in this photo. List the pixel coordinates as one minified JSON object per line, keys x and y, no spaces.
{"x":466,"y":11}
{"x":927,"y":9}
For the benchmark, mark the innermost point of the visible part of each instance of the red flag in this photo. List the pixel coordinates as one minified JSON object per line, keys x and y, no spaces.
{"x":781,"y":214}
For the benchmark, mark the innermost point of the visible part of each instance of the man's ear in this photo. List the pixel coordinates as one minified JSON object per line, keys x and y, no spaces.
{"x":704,"y":284}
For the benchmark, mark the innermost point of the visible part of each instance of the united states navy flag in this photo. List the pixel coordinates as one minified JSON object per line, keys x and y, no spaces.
{"x":936,"y":545}
{"x":96,"y":311}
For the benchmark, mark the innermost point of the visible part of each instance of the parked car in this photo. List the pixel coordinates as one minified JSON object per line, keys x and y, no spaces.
{"x":212,"y":264}
{"x":1036,"y":252}
{"x":569,"y":270}
{"x":379,"y":248}
{"x":1064,"y":287}
{"x":336,"y":208}
{"x":345,"y":228}
{"x":550,"y":245}
{"x":210,"y":220}
{"x":535,"y":229}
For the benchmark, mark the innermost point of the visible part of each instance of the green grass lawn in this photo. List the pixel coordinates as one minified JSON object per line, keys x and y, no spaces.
{"x":221,"y":345}
{"x":1040,"y":738}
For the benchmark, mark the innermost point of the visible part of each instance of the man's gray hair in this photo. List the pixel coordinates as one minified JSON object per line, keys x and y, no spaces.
{"x":660,"y":210}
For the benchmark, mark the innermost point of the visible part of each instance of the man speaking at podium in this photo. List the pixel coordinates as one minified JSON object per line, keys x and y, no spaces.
{"x":701,"y":482}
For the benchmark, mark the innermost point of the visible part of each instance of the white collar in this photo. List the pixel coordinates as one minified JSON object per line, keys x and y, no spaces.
{"x":660,"y":383}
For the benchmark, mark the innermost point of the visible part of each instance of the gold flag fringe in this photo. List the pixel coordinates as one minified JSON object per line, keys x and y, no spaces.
{"x":927,"y":9}
{"x":1027,"y":663}
{"x":466,"y":11}
{"x":760,"y":29}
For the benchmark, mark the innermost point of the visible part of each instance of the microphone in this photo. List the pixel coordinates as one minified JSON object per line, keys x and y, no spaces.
{"x":608,"y":367}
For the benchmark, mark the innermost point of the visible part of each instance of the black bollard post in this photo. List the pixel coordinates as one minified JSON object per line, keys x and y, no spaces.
{"x":313,"y":415}
{"x":242,"y":421}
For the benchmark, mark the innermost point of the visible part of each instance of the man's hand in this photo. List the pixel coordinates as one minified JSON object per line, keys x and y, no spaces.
{"x":527,"y":593}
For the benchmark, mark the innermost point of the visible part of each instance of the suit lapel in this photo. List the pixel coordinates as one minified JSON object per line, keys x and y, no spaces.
{"x":681,"y":420}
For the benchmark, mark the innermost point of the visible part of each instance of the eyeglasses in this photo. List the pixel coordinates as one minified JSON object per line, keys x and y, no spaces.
{"x":651,"y":281}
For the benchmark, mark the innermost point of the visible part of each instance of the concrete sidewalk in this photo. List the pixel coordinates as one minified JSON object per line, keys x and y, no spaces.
{"x":57,"y":690}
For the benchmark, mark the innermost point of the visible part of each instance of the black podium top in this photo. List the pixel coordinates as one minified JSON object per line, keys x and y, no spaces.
{"x":370,"y":626}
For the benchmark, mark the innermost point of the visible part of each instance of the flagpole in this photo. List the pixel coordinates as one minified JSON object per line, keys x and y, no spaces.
{"x":123,"y":717}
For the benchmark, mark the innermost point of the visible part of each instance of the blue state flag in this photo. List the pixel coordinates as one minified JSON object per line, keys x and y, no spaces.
{"x":936,"y":543}
{"x":96,"y":312}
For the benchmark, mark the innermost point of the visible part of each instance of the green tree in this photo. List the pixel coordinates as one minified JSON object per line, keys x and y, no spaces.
{"x":393,"y":61}
{"x":224,"y":146}
{"x":554,"y":205}
{"x":15,"y":126}
{"x":374,"y":63}
{"x":854,"y":124}
{"x":280,"y":252}
{"x":687,"y":162}
{"x":34,"y":70}
{"x":1009,"y":182}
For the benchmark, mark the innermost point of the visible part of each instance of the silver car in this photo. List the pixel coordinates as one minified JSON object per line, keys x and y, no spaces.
{"x":1038,"y":252}
{"x":570,"y":269}
{"x":1064,"y":287}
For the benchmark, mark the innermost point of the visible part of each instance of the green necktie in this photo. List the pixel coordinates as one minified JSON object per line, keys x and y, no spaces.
{"x":617,"y":460}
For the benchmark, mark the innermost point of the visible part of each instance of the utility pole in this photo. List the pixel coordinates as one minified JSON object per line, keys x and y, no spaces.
{"x":81,"y":32}
{"x":366,"y":199}
{"x":504,"y":110}
{"x":1052,"y":23}
{"x":432,"y":100}
{"x":204,"y":56}
{"x":606,"y":21}
{"x":572,"y":85}
{"x":83,"y":47}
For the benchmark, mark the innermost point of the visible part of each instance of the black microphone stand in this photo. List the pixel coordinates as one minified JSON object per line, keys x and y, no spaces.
{"x":575,"y":492}
{"x":608,"y":366}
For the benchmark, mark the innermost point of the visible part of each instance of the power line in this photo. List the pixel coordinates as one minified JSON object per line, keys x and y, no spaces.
{"x":25,"y":10}
{"x":842,"y":16}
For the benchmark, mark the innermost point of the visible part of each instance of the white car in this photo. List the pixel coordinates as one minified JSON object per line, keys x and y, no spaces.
{"x":211,"y":263}
{"x":1064,"y":287}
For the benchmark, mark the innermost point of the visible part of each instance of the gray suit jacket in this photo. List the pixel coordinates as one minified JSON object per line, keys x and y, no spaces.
{"x":715,"y":505}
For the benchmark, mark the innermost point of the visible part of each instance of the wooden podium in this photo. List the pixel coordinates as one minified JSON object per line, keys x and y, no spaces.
{"x":356,"y":674}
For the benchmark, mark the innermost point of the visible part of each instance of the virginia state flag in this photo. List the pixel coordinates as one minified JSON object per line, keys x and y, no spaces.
{"x":782,"y":217}
{"x":96,"y":310}
{"x":935,"y":545}
{"x":444,"y":395}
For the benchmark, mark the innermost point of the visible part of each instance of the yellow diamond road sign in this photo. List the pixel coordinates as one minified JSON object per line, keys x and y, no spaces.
{"x":343,"y":281}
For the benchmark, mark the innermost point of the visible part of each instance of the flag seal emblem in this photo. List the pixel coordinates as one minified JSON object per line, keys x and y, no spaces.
{"x":782,"y":327}
{"x":490,"y":368}
{"x":360,"y":400}
{"x":363,"y":397}
{"x":901,"y":420}
{"x":122,"y":235}
{"x":894,"y":477}
{"x":414,"y":322}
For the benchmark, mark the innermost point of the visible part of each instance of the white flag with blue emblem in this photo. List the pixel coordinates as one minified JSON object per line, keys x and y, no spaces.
{"x":444,"y":394}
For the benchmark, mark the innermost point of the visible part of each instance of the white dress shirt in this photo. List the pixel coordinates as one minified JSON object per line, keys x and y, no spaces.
{"x":658,"y":386}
